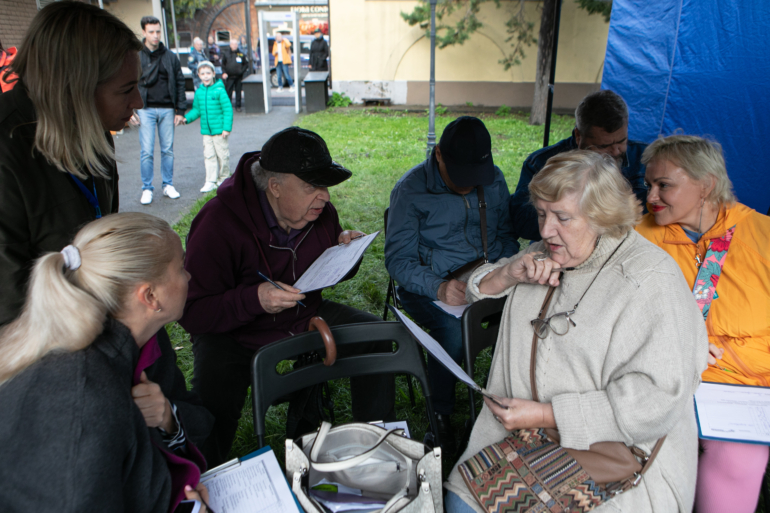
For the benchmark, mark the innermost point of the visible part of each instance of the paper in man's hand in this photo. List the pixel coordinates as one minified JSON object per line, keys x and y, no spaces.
{"x":334,"y":264}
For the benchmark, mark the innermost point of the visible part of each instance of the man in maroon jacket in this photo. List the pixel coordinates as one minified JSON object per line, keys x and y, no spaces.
{"x":274,"y":217}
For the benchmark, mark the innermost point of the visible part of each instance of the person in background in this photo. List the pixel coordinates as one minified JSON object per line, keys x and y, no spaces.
{"x":194,"y":59}
{"x":435,"y":227}
{"x":617,"y":341}
{"x":274,"y":217}
{"x":319,"y":52}
{"x":84,"y":426}
{"x":54,"y":179}
{"x":215,"y":55}
{"x":213,"y":106}
{"x":8,"y":78}
{"x":165,"y":102}
{"x":282,"y":53}
{"x":601,"y":125}
{"x":722,"y":248}
{"x":235,"y":65}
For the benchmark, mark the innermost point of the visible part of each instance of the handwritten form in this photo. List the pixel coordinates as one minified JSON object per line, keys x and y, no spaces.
{"x":733,"y":413}
{"x":251,"y":486}
{"x":334,"y":264}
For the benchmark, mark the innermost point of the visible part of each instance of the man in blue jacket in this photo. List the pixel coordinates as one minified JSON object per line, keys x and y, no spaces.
{"x":435,"y":228}
{"x":601,"y":124}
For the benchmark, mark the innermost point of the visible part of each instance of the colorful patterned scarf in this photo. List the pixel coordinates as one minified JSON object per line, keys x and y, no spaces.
{"x":705,"y":289}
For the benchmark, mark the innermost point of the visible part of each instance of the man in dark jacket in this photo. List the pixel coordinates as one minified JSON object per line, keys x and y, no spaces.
{"x":601,"y":125}
{"x":274,"y":217}
{"x":445,"y":213}
{"x":235,"y":64}
{"x":319,"y":52}
{"x":195,"y":57}
{"x":162,"y":90}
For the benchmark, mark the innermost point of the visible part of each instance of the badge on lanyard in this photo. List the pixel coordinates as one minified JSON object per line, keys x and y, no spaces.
{"x":91,"y":197}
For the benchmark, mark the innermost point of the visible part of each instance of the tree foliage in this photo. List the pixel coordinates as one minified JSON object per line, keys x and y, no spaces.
{"x":185,"y":9}
{"x":603,"y":7}
{"x":520,"y":31}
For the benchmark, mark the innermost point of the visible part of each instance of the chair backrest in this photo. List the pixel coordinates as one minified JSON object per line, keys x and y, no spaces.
{"x":476,"y":338}
{"x":268,"y":386}
{"x":391,"y":293}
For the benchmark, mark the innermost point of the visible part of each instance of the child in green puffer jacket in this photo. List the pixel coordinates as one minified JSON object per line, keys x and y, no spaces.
{"x":213,"y":106}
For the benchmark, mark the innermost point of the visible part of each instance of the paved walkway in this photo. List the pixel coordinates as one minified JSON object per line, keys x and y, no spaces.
{"x":250,"y":132}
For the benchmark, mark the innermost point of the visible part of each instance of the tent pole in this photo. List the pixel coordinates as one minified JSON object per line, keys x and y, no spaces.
{"x":552,"y":78}
{"x":432,"y":94}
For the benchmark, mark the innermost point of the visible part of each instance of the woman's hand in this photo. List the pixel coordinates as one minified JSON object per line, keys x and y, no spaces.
{"x":153,"y":404}
{"x":715,"y":353}
{"x":530,"y":268}
{"x":521,"y":414}
{"x":200,"y":494}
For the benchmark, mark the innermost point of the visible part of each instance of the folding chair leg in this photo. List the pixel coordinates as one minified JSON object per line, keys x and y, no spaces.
{"x":472,"y":406}
{"x":411,"y":390}
{"x":387,"y":301}
{"x":328,"y":403}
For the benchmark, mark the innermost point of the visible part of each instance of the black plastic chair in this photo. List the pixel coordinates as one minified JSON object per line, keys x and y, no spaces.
{"x":268,"y":386}
{"x":391,"y":294}
{"x":476,"y":338}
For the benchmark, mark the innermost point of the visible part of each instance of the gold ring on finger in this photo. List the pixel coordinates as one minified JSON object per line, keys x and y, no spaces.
{"x":539,"y":257}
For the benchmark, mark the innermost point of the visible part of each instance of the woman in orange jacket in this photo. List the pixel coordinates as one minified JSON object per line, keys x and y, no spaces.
{"x":723,"y":249}
{"x":282,"y":53}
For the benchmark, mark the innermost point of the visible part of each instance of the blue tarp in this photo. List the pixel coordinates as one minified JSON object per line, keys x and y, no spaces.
{"x":698,"y":67}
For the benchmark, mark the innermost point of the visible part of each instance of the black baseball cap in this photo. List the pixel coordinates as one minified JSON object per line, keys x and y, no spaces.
{"x":302,"y":153}
{"x":466,"y":149}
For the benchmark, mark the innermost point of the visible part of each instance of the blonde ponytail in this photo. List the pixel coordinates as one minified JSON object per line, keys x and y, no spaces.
{"x":66,"y":309}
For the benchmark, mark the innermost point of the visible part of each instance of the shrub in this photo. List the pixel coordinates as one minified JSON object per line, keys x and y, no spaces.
{"x":339,"y":100}
{"x":504,"y":110}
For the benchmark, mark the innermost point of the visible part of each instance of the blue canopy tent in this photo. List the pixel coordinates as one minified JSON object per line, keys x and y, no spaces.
{"x":699,"y":67}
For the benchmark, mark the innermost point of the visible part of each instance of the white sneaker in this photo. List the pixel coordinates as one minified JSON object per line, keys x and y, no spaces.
{"x":280,"y":89}
{"x":291,"y":89}
{"x":209,"y":186}
{"x":168,"y":190}
{"x":146,"y":197}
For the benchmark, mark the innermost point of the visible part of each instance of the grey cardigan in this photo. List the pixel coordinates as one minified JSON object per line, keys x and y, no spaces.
{"x":72,"y":439}
{"x":627,"y":372}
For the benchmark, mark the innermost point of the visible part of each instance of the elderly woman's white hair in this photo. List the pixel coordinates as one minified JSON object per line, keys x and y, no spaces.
{"x":606,"y":197}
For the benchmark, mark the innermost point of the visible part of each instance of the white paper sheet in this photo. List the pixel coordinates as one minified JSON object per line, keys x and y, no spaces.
{"x":435,"y":349}
{"x":457,"y":311}
{"x":733,"y":413}
{"x":251,"y":486}
{"x":399,"y":424}
{"x":334,"y":264}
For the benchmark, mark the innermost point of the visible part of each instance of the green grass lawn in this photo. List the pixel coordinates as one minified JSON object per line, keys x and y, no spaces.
{"x":379,"y":146}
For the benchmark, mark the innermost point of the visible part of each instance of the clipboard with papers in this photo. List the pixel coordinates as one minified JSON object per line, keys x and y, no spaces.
{"x":733,"y":413}
{"x":441,"y":356}
{"x":251,"y":484}
{"x":334,"y":264}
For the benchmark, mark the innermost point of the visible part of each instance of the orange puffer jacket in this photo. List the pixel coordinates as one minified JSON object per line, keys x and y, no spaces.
{"x":739,"y":318}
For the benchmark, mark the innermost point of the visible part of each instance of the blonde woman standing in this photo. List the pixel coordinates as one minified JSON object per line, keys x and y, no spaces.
{"x":83,"y":427}
{"x":78,"y":71}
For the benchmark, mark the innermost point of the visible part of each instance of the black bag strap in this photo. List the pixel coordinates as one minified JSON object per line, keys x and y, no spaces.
{"x":483,"y":218}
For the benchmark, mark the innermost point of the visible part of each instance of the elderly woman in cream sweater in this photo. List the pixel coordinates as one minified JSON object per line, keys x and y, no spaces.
{"x":619,"y":351}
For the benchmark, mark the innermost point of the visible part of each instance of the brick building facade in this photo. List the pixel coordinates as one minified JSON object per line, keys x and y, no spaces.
{"x":15,"y":17}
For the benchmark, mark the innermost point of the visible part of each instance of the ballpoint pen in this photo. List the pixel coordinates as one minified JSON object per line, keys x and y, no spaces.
{"x":271,"y":282}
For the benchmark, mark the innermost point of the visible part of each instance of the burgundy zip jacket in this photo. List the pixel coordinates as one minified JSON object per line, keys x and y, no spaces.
{"x":229,"y":244}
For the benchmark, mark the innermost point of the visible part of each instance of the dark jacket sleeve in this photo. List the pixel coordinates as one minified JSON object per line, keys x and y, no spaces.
{"x":216,"y":301}
{"x":16,"y":249}
{"x":181,"y":97}
{"x":523,"y":215}
{"x":196,"y":419}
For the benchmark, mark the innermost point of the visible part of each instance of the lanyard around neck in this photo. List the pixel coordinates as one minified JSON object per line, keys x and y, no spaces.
{"x":92,"y":198}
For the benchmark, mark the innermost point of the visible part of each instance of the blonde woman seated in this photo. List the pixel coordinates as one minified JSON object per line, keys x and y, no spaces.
{"x":82,"y":427}
{"x":621,"y":348}
{"x":723,"y":250}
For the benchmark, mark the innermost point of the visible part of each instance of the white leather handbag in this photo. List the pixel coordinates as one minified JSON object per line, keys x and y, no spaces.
{"x":385,"y":465}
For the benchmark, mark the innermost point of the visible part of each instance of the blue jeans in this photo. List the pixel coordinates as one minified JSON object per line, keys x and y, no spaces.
{"x":454,"y":504}
{"x":283,"y":68}
{"x":164,"y":119}
{"x":447,"y":330}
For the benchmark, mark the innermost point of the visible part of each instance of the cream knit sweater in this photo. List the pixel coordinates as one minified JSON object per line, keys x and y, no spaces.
{"x":626,"y":373}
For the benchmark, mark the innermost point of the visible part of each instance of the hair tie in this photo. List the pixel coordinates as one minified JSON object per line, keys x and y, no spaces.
{"x":71,"y":257}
